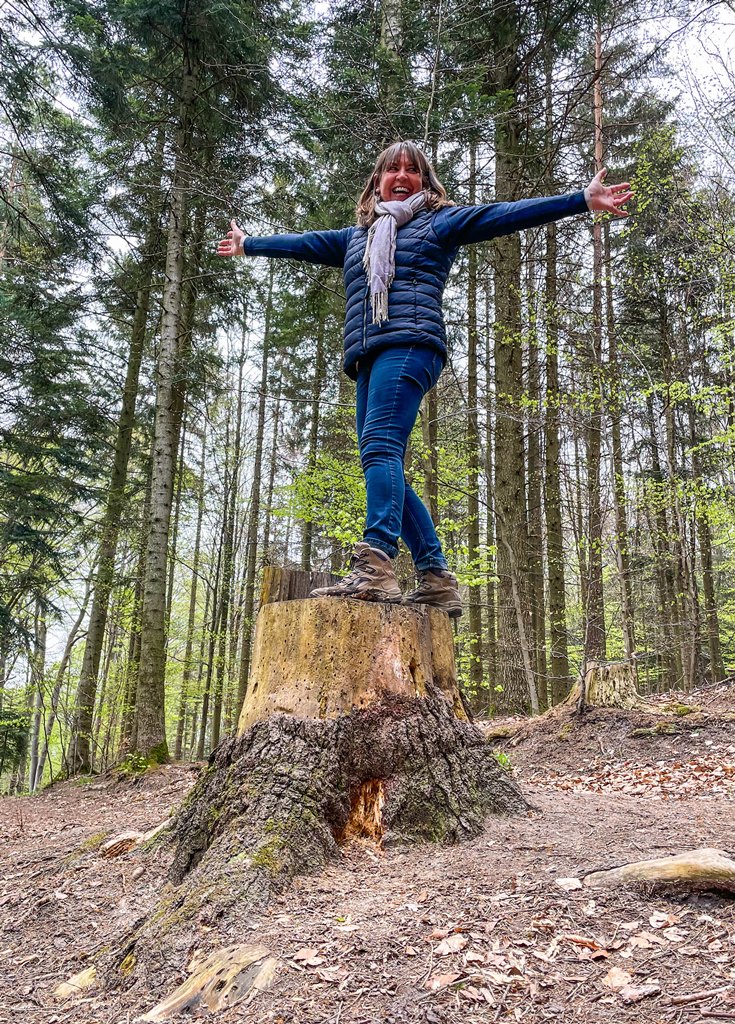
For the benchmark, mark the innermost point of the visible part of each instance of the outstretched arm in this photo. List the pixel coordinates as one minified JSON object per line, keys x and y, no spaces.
{"x":325,"y":247}
{"x":462,"y":225}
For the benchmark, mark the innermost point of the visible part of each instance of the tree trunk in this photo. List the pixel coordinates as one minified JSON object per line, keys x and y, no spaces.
{"x":559,"y":680}
{"x":473,"y":457}
{"x":272,"y":467}
{"x":251,"y":541}
{"x":49,"y":723}
{"x":38,"y":672}
{"x":704,"y":540}
{"x":228,"y":558}
{"x":671,"y":652}
{"x":213,"y":630}
{"x":80,"y":755}
{"x":595,"y":641}
{"x":311,"y":457}
{"x":618,"y":479}
{"x":150,"y":707}
{"x":368,"y":739}
{"x":186,"y":675}
{"x":492,"y":593}
{"x":180,"y":471}
{"x":509,"y":489}
{"x":535,"y":501}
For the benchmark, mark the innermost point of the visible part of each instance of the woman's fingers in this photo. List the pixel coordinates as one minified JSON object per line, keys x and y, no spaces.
{"x":230,"y":245}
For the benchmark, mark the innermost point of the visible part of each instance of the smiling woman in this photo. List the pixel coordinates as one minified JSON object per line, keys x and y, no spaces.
{"x":396,"y":261}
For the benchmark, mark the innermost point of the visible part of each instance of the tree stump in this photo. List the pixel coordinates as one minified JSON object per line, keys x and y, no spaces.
{"x":608,"y":684}
{"x":353,"y":727}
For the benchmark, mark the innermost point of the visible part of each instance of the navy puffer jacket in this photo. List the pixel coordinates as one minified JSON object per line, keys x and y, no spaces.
{"x":425,"y":250}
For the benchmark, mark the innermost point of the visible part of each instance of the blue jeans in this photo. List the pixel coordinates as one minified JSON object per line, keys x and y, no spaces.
{"x":390,"y":386}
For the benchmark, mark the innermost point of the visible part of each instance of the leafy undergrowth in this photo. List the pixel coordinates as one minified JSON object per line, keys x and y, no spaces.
{"x":476,"y":933}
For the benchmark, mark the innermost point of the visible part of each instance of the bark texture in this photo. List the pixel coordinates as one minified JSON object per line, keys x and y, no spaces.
{"x":281,"y":797}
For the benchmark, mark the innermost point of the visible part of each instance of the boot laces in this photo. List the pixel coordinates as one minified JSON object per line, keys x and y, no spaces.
{"x":358,"y":564}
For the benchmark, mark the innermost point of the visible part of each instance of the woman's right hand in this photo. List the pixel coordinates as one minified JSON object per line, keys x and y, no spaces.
{"x":232,"y":244}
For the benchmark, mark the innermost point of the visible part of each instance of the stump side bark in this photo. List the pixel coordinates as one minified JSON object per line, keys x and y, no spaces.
{"x":322,"y":657}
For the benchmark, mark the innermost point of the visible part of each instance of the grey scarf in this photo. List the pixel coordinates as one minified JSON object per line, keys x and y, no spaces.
{"x":379,"y":260}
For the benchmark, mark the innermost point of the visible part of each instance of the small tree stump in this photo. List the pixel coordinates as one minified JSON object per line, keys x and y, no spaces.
{"x":607,"y":684}
{"x":353,"y":727}
{"x":612,"y":684}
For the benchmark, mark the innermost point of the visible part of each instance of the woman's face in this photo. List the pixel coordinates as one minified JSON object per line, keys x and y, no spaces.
{"x":400,"y":179}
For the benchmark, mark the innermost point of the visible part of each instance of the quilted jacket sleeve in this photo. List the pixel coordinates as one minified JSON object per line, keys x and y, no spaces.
{"x":325,"y":247}
{"x":461,"y":225}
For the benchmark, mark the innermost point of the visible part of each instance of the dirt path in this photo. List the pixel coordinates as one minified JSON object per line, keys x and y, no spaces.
{"x":518,"y":946}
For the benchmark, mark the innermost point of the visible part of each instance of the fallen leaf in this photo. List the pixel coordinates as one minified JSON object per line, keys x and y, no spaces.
{"x":474,"y":958}
{"x":634,"y":993}
{"x":452,"y":944}
{"x":674,"y":934}
{"x":333,"y":975}
{"x":410,"y":951}
{"x":582,"y":940}
{"x":646,"y":940}
{"x":498,"y":978}
{"x":659,"y":919}
{"x":616,"y":978}
{"x":439,"y":981}
{"x":305,"y":954}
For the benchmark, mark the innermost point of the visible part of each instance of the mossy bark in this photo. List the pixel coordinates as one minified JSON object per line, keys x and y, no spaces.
{"x":280,"y":799}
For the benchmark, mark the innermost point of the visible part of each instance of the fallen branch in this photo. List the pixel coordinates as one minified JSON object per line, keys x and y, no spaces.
{"x":699,"y":997}
{"x":705,"y":868}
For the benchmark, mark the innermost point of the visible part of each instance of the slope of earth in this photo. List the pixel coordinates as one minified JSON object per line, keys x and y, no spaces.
{"x":479,"y":932}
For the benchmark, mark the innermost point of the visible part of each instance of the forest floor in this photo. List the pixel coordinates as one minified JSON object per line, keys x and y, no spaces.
{"x":477,"y":932}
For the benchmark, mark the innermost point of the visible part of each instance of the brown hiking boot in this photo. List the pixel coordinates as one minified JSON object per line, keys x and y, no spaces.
{"x":438,"y":588}
{"x":371,"y":578}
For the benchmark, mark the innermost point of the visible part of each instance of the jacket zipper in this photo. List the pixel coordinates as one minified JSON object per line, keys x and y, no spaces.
{"x":364,"y":319}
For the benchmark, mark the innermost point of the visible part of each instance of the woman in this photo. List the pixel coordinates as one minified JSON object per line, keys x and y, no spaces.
{"x":396,"y":261}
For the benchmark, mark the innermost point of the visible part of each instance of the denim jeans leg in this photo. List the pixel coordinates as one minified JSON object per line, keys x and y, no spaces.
{"x":389,"y":392}
{"x":419,"y":534}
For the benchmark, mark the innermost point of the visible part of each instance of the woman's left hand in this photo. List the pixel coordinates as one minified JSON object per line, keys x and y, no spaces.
{"x":607,"y":198}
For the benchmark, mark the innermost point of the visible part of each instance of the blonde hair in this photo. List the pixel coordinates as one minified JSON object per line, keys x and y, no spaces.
{"x":436,"y":194}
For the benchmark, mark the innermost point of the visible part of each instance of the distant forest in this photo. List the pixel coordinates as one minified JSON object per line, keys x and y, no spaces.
{"x":171,"y":422}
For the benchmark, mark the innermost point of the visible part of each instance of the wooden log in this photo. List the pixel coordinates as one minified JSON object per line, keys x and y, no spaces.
{"x":704,"y":869}
{"x":322,"y":657}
